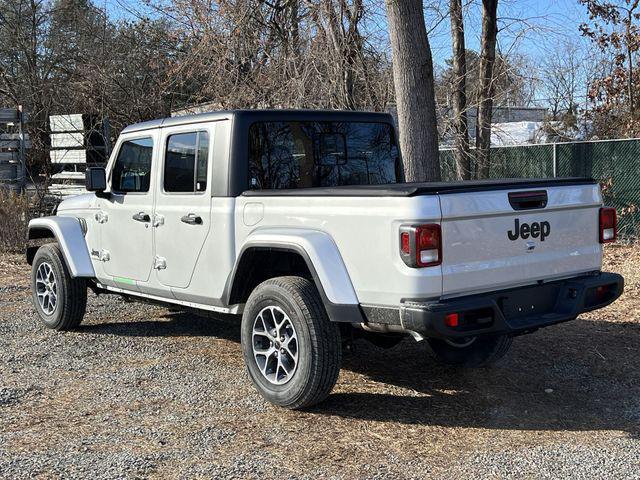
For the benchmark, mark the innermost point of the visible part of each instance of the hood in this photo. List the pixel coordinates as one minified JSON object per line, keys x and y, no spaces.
{"x":78,"y":202}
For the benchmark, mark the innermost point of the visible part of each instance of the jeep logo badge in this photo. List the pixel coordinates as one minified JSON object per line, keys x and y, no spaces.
{"x":534,"y":230}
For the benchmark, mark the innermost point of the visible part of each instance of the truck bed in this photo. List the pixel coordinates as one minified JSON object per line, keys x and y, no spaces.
{"x":482,"y":247}
{"x":422,"y":188}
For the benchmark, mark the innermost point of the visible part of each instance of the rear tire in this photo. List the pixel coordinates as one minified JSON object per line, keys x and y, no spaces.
{"x":59,"y":299}
{"x":480,"y":352}
{"x":292,"y":351}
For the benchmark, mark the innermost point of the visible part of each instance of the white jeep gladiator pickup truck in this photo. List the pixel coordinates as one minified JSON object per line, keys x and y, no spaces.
{"x":300,"y":221}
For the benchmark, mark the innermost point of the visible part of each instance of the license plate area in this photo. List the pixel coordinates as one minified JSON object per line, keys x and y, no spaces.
{"x":537,"y":300}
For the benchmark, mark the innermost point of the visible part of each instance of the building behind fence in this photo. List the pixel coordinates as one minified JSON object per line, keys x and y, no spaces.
{"x":614,"y":163}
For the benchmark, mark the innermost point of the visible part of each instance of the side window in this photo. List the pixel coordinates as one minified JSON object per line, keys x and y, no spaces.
{"x":185,"y":162}
{"x":132,"y":170}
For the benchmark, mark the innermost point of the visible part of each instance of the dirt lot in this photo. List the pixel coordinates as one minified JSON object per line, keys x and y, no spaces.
{"x":141,"y":392}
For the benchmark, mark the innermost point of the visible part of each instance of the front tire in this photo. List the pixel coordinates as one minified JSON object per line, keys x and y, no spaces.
{"x":59,"y":299}
{"x":473,"y":352}
{"x":291,"y":349}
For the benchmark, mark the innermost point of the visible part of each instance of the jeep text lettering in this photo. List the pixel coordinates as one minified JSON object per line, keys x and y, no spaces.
{"x":526,"y":230}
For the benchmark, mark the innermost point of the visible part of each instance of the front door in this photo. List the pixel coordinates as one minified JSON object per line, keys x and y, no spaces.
{"x":183,"y":203}
{"x":126,"y":231}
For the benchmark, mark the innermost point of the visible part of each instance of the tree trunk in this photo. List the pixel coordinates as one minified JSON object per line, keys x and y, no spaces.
{"x":415,"y":96}
{"x":485,"y":102}
{"x":628,"y":41}
{"x":462,"y":151}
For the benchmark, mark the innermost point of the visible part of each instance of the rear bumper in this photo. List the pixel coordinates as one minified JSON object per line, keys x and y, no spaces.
{"x":515,"y":311}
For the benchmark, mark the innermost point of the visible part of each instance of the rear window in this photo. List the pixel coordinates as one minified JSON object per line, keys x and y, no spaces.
{"x":185,"y":162}
{"x":321,"y":154}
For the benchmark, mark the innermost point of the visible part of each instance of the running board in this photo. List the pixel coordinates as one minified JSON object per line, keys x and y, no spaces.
{"x":234,"y":309}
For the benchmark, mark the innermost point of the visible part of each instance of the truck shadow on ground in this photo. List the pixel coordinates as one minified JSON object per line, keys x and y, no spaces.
{"x":172,"y":324}
{"x":580,"y":376}
{"x":591,"y":367}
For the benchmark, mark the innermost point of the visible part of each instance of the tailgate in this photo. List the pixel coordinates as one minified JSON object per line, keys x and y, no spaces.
{"x":507,"y":238}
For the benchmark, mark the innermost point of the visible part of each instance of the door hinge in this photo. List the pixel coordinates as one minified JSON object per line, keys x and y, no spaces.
{"x":159,"y":263}
{"x":101,"y":217}
{"x":102,"y":255}
{"x":158,"y":220}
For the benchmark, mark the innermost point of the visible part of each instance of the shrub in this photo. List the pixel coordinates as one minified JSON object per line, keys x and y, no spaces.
{"x":14,"y":217}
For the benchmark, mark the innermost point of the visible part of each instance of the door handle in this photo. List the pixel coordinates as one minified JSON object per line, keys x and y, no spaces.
{"x":141,"y":217}
{"x":192,"y":219}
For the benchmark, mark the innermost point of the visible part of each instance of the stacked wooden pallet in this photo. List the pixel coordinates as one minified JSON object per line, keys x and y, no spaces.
{"x":76,"y":141}
{"x":12,"y":148}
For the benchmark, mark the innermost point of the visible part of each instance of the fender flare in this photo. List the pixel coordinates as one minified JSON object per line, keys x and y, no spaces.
{"x":68,"y":233}
{"x":323,"y":260}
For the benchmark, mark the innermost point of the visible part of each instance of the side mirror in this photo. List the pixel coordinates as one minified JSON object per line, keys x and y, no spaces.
{"x":96,"y":179}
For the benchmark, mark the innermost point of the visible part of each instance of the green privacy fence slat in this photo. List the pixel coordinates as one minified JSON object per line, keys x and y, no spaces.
{"x":615,"y":164}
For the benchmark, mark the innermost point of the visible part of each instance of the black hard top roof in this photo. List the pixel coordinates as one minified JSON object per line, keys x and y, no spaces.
{"x":264,"y":115}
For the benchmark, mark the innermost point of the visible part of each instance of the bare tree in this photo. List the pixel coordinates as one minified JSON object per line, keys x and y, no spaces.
{"x":278,"y":53}
{"x":68,"y":56}
{"x":485,"y":103}
{"x":415,"y":96}
{"x":615,"y":32}
{"x":462,"y":151}
{"x":563,"y":73}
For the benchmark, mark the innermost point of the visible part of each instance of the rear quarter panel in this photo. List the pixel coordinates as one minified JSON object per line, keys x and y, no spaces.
{"x":366,"y":232}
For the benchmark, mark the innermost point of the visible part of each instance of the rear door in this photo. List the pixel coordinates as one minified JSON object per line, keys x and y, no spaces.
{"x":183,"y":202}
{"x":507,"y":238}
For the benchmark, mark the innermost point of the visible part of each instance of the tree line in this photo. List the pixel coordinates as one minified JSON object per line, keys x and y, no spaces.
{"x":71,"y":56}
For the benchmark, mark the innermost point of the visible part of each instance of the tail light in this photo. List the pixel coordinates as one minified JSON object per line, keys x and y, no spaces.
{"x":608,"y":225}
{"x":452,"y":320}
{"x":421,"y":245}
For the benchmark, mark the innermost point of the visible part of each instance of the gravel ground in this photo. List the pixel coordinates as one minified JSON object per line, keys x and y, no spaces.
{"x":142,"y":392}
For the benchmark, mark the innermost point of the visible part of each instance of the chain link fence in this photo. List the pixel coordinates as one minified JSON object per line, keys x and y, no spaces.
{"x":613,"y":163}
